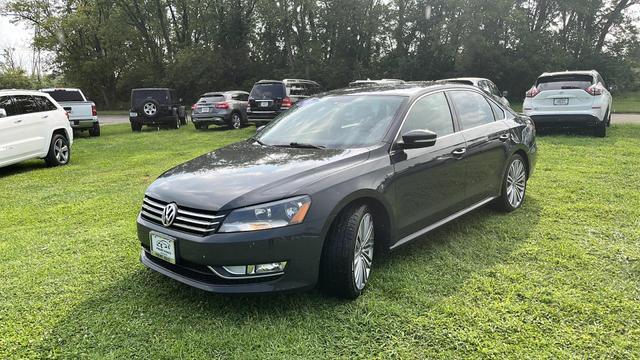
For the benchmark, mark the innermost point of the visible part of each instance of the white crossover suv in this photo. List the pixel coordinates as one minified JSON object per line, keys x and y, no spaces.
{"x":33,"y":125}
{"x":570,"y":99}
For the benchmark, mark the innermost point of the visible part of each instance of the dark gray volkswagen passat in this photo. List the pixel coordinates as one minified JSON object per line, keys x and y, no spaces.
{"x":309,"y":198}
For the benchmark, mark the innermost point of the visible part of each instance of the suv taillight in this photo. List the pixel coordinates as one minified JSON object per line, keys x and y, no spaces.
{"x":222,"y":105}
{"x":594,"y":90}
{"x":286,"y":103}
{"x":533,"y":92}
{"x":94,"y":111}
{"x":193,"y":107}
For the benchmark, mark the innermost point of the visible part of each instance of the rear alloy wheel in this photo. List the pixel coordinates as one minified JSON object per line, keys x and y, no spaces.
{"x":236,"y":121}
{"x":514,"y":185}
{"x":348,"y":253}
{"x":59,"y":151}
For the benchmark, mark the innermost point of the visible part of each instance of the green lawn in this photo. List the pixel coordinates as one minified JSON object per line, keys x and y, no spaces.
{"x":559,"y":278}
{"x":626,"y":103}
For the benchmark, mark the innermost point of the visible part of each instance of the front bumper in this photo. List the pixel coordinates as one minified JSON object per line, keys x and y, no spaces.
{"x":195,"y":253}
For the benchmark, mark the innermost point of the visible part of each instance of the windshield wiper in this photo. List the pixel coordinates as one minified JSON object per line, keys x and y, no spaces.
{"x":298,"y":145}
{"x":258,"y":141}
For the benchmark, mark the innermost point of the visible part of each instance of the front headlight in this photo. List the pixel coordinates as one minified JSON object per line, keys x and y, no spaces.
{"x":267,"y":216}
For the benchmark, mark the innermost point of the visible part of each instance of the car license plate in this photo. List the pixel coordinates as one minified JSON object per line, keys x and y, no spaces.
{"x":563,"y":101}
{"x":163,"y":247}
{"x":205,"y":110}
{"x":264,"y":104}
{"x":132,"y":114}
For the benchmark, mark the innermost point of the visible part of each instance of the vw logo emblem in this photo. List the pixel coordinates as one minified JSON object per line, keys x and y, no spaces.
{"x":169,"y":214}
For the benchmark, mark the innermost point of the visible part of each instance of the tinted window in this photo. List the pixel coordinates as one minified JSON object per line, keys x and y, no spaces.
{"x":494,"y":89}
{"x":44,"y":104}
{"x":349,"y":121}
{"x":298,"y":90}
{"x":211,"y":98}
{"x":564,"y":82}
{"x":26,"y":104}
{"x":268,"y":91}
{"x":430,"y":113}
{"x":137,"y":96}
{"x":7,"y":104}
{"x":243,"y":97}
{"x":65,"y":95}
{"x":472,"y":108}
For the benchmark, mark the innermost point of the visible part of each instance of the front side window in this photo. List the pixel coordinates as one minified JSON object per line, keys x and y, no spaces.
{"x":472,"y":108}
{"x":339,"y":122}
{"x":430,"y":113}
{"x":26,"y":104}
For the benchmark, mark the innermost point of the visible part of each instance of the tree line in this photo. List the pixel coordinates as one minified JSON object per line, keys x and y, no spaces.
{"x":108,"y":47}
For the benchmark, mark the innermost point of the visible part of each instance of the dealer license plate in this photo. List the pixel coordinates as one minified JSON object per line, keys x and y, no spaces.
{"x":562,"y":101}
{"x":163,"y":247}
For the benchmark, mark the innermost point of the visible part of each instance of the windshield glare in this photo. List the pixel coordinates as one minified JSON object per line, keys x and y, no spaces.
{"x":348,"y":121}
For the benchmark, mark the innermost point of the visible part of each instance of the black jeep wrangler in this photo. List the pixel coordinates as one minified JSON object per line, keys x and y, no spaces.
{"x":156,"y":107}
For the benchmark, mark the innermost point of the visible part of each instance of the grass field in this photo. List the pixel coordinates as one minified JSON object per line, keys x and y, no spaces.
{"x":559,"y":278}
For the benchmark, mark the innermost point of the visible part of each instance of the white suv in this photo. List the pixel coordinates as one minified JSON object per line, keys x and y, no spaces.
{"x":33,"y":125}
{"x":570,"y":99}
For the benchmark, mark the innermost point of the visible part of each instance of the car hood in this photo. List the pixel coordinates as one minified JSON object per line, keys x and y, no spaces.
{"x":247,"y":173}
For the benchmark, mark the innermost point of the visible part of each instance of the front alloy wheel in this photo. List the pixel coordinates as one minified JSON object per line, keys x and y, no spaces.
{"x":348,"y":252}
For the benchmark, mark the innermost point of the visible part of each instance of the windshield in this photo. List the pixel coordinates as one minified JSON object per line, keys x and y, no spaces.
{"x":268,"y":91}
{"x":343,"y":122}
{"x":565,"y":82}
{"x":65,"y":95}
{"x":161,"y":96}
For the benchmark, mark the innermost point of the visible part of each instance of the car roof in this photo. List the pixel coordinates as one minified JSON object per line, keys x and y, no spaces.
{"x":20,"y":92}
{"x":164,"y":89}
{"x":223,"y":92}
{"x":471,"y":79}
{"x":269,"y":81}
{"x":574,"y":72}
{"x":303,"y":81}
{"x":60,"y":89}
{"x":407,"y":89}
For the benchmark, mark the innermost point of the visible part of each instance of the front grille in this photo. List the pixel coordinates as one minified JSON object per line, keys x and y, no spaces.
{"x":195,"y":221}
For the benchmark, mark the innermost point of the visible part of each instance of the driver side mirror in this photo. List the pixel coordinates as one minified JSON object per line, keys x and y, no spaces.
{"x":505,"y":94}
{"x":3,"y":113}
{"x":417,"y":139}
{"x":258,"y":130}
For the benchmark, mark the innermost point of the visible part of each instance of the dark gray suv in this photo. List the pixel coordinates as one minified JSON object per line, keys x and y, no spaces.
{"x":221,"y":108}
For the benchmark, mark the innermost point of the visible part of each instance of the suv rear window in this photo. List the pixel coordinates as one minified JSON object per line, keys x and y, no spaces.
{"x":268,"y":91}
{"x":211,"y":98}
{"x":564,"y":82}
{"x":138,"y":96}
{"x":65,"y":95}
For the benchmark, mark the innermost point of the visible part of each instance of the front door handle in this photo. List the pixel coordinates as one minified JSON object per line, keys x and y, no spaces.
{"x":17,"y":121}
{"x":505,"y":137}
{"x":459,"y":152}
{"x":45,"y":116}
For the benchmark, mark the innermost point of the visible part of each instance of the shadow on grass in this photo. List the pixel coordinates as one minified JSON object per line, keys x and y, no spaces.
{"x":22,"y":167}
{"x":413,"y":278}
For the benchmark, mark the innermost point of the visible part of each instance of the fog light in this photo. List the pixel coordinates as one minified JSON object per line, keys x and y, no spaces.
{"x":260,"y":269}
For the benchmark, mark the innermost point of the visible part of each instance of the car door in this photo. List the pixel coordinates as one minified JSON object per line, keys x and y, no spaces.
{"x":429,"y":182}
{"x":9,"y":130}
{"x":31,"y":125}
{"x":487,"y":144}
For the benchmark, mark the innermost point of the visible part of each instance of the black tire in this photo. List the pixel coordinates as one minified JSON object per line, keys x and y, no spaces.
{"x":59,"y":151}
{"x":201,"y":126}
{"x":176,"y":123}
{"x":609,"y":119}
{"x":95,"y":130}
{"x":337,"y":267}
{"x":601,"y":129}
{"x":136,"y":127}
{"x":503,"y":203}
{"x":149,"y":108}
{"x":235,"y":122}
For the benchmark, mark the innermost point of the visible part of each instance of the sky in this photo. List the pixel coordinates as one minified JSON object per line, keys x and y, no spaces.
{"x":17,"y":37}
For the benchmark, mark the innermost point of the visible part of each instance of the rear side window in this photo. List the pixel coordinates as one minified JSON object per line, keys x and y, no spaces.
{"x":268,"y":91}
{"x":26,"y":104}
{"x":65,"y":95}
{"x":430,"y":113}
{"x":298,"y":90}
{"x":44,"y":104}
{"x":497,"y":110}
{"x":472,"y":108}
{"x":6,"y":103}
{"x":564,"y":82}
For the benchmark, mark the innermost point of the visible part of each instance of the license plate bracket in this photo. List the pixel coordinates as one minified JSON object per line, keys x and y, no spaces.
{"x":163,"y":246}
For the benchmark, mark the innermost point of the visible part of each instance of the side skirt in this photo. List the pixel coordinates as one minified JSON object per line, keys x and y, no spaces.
{"x":435,"y":225}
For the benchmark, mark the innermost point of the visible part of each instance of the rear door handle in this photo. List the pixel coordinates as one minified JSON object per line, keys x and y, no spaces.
{"x":459,"y":152}
{"x":504,"y":137}
{"x":17,"y":121}
{"x":45,"y":116}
